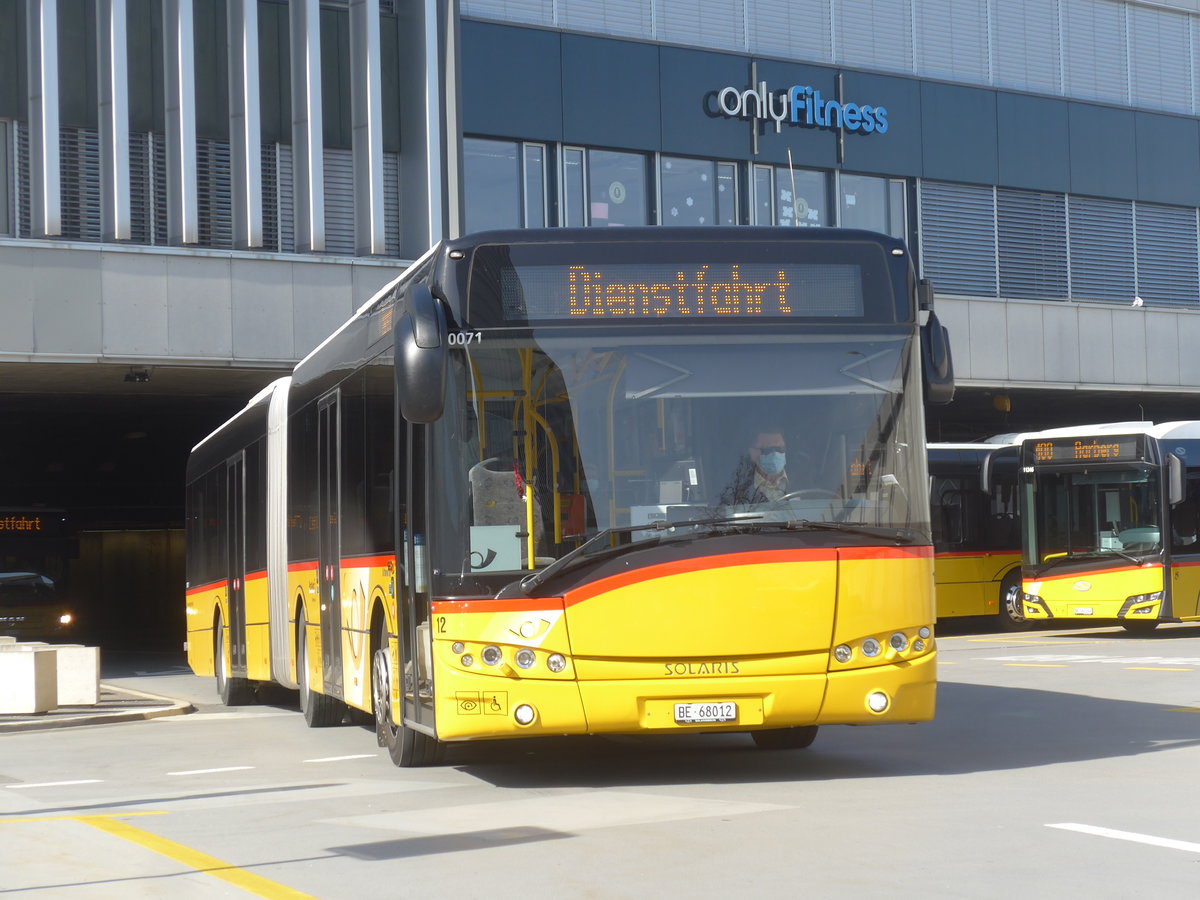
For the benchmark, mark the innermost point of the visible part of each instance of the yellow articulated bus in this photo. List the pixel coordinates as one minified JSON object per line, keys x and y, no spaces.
{"x":976,"y":532}
{"x":1109,"y":518}
{"x":634,"y":481}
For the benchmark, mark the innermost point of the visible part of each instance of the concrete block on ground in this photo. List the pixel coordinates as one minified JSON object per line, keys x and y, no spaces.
{"x":28,"y":681}
{"x":78,"y":675}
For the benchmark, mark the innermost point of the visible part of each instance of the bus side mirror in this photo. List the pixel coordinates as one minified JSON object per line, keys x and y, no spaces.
{"x":1174,"y":479}
{"x":937,"y":368}
{"x":421,"y":354}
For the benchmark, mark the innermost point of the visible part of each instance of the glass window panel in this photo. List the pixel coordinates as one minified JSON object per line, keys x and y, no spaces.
{"x":573,"y":195}
{"x":727,"y":196}
{"x":764,"y":189}
{"x":801,"y":198}
{"x":535,"y":186}
{"x":492,"y":181}
{"x":863,"y":203}
{"x":5,"y":179}
{"x":616,"y":188}
{"x":897,"y":210}
{"x":688,"y":195}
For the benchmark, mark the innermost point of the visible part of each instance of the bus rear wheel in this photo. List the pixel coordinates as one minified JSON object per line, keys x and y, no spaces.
{"x":406,"y":747}
{"x":1011,"y":615}
{"x":1139,"y":626}
{"x":233,"y":691}
{"x":320,"y":710}
{"x":785,"y":738}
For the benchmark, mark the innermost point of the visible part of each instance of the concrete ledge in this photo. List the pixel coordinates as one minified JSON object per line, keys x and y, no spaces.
{"x":117,"y":704}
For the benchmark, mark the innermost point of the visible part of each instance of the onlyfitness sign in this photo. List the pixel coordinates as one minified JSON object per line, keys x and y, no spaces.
{"x":800,"y":105}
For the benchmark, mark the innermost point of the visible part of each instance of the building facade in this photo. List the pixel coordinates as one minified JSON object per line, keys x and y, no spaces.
{"x":194,"y":193}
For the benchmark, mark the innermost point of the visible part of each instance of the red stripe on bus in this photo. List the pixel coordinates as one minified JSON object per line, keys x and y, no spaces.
{"x":697,"y":564}
{"x":923,"y":552}
{"x":759,"y":557}
{"x":255,"y":576}
{"x":981,"y":553}
{"x":309,"y":566}
{"x":359,"y":562}
{"x":1094,"y":573}
{"x":542,"y":604}
{"x":211,"y":586}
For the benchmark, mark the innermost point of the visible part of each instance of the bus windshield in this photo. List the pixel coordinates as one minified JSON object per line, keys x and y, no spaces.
{"x":549,"y":440}
{"x":1095,"y":513}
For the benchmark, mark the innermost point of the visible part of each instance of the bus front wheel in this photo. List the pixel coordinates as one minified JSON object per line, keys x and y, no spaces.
{"x":406,"y":747}
{"x":233,"y":691}
{"x":1011,"y":614}
{"x":785,"y":738}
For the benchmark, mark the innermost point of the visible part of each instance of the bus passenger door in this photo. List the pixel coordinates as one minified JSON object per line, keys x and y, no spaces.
{"x":329,"y":540}
{"x":235,"y":500}
{"x":414,"y":624}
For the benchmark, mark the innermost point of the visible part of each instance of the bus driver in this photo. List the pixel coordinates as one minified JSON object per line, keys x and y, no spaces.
{"x":761,"y":476}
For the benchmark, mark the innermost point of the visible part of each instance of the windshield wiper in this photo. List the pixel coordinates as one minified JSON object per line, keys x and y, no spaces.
{"x":1089,"y":554}
{"x":583,"y":552}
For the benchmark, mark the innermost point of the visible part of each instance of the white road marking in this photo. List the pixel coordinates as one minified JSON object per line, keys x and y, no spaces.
{"x":1129,"y":836}
{"x":19,"y":787}
{"x":212,"y":771}
{"x":340,"y":758}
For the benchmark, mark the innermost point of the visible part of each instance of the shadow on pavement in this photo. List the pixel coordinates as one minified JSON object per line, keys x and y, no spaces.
{"x":978,"y":728}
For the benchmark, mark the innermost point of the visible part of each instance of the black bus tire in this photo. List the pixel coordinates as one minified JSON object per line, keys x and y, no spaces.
{"x":233,"y":691}
{"x":406,"y":747}
{"x":1010,"y":615}
{"x":785,"y":738}
{"x":320,"y":710}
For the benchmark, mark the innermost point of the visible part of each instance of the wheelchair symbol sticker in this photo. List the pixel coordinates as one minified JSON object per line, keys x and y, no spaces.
{"x":495,"y":703}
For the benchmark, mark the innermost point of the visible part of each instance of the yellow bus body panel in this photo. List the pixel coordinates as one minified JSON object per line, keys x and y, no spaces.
{"x":755,"y":629}
{"x":1185,"y":589}
{"x":303,"y":591}
{"x":258,"y":629}
{"x":364,"y":582}
{"x":968,"y":584}
{"x":202,"y":604}
{"x":1094,"y":595}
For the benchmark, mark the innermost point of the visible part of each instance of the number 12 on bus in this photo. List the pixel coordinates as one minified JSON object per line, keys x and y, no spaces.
{"x":496,"y":505}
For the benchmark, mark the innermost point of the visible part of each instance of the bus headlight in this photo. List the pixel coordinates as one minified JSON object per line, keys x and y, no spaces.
{"x":842,"y":653}
{"x":877,"y":701}
{"x":492,"y":655}
{"x":870,"y":647}
{"x":925,"y":632}
{"x":457,"y":647}
{"x":524,"y":714}
{"x":899,"y":641}
{"x":525,"y":658}
{"x":556,"y":662}
{"x":468,"y":660}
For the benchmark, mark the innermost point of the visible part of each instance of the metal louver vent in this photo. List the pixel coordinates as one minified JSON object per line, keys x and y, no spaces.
{"x":1032,"y":239}
{"x":214,"y":194}
{"x":339,"y":201}
{"x":1102,"y":263}
{"x":391,"y":203}
{"x":958,"y":248}
{"x":1167,"y":269}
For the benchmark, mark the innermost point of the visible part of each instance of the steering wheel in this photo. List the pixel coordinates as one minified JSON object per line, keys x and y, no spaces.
{"x":811,"y":493}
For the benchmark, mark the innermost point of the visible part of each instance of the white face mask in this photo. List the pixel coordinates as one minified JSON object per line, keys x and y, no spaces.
{"x":772,"y":463}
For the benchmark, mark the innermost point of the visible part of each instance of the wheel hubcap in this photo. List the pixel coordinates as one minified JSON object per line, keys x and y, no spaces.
{"x":383,"y":689}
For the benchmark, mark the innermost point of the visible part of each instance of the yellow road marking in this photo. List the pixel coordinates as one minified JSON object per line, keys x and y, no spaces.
{"x":201,"y":862}
{"x":1038,"y":665}
{"x":1156,"y":669}
{"x":1191,"y":709}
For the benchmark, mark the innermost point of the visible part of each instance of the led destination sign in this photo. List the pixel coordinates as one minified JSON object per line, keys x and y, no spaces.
{"x":700,"y":291}
{"x":1124,"y":448}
